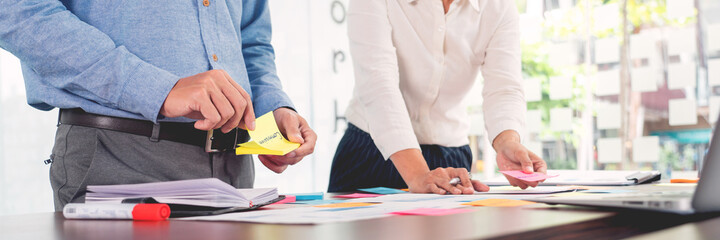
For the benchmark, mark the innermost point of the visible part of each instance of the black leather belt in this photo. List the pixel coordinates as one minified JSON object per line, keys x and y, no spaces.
{"x":215,"y":141}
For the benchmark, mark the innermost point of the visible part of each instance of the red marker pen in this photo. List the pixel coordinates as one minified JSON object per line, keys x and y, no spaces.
{"x":142,"y":211}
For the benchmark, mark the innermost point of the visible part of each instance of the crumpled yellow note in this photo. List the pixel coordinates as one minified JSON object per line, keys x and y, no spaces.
{"x":266,"y":139}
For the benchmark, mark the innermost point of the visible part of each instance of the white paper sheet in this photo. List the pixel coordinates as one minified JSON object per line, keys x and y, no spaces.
{"x":560,"y":87}
{"x":607,"y":50}
{"x":682,"y":112}
{"x":713,"y":37}
{"x":533,"y":90}
{"x":714,"y":72}
{"x":644,"y":79}
{"x":561,"y":119}
{"x":535,"y":190}
{"x":607,"y":16}
{"x":609,"y":150}
{"x":681,"y":75}
{"x":680,"y":8}
{"x":562,"y":54}
{"x":642,"y":46}
{"x":533,"y":121}
{"x":608,"y":116}
{"x":607,"y":83}
{"x":646,"y":149}
{"x":681,"y":41}
{"x":714,"y":108}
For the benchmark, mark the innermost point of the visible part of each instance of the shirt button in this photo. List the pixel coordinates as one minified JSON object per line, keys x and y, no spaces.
{"x":206,"y":3}
{"x":215,"y":58}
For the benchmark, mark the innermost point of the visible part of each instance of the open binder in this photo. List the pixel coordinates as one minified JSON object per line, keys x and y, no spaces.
{"x":195,"y":197}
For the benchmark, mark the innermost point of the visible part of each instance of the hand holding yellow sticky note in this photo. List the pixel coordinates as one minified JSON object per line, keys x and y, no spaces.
{"x":266,"y":139}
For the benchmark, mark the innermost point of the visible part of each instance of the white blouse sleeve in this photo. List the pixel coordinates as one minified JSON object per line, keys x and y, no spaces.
{"x":504,"y":103}
{"x":377,"y":83}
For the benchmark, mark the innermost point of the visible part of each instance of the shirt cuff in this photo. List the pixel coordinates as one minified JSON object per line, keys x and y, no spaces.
{"x":146,"y":90}
{"x":394,"y":141}
{"x":499,"y":127}
{"x":268,"y":102}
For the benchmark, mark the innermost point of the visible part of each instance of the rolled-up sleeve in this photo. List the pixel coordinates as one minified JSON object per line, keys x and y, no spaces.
{"x":259,"y":57}
{"x":377,"y":77}
{"x":71,"y":55}
{"x":504,"y":99}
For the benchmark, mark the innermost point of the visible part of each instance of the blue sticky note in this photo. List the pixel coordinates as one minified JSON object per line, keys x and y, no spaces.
{"x":307,"y":196}
{"x":318,"y":202}
{"x":382,"y":190}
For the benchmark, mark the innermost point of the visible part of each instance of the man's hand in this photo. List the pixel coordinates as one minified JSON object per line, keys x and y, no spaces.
{"x":214,"y":99}
{"x":511,"y":155}
{"x":414,"y":170}
{"x":295,"y":129}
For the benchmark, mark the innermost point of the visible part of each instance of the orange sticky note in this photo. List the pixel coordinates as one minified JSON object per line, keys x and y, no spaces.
{"x":684,"y":180}
{"x":499,"y":203}
{"x":345,"y":205}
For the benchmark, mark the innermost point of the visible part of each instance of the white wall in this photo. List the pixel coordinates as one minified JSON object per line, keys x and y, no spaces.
{"x":26,"y":139}
{"x":306,"y":38}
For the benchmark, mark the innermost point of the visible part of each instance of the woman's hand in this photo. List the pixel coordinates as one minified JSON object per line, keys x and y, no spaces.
{"x":511,"y":155}
{"x":414,"y":170}
{"x":438,"y":181}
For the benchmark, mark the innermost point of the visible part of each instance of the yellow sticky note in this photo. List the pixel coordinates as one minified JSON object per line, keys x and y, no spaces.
{"x":499,"y":203}
{"x":346,"y":205}
{"x":266,"y":139}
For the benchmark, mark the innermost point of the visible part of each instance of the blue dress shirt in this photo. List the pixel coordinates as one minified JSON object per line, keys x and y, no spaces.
{"x":121,"y":58}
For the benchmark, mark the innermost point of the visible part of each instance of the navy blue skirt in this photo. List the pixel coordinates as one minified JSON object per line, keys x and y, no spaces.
{"x":359,"y":164}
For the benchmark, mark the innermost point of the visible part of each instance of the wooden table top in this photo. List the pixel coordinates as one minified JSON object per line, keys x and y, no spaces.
{"x":539,"y":221}
{"x":543,"y":222}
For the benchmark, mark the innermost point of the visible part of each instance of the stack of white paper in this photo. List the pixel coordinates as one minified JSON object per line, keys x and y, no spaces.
{"x":209,"y":192}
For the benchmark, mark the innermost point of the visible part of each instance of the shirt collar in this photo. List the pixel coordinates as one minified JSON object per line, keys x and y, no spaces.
{"x":473,"y":3}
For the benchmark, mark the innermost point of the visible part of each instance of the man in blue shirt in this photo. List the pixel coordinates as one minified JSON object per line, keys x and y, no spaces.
{"x":136,"y":83}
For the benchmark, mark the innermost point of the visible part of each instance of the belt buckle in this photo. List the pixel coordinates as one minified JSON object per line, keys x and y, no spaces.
{"x":211,"y":138}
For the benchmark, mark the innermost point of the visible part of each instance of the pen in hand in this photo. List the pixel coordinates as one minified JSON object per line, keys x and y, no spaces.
{"x":456,"y":180}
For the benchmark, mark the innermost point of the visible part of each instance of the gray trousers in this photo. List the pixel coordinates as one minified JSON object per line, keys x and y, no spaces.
{"x":85,"y":156}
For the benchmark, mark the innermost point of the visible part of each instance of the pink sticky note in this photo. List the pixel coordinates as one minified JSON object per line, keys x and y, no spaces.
{"x":432,"y":211}
{"x":288,"y":199}
{"x":358,"y":195}
{"x":528,"y":177}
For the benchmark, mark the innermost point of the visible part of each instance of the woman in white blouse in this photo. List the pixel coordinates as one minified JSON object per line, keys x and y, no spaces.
{"x":415,"y":60}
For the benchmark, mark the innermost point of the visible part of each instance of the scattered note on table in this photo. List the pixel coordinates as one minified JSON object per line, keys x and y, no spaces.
{"x":266,"y":139}
{"x":382,"y":190}
{"x":359,"y":195}
{"x":288,"y":199}
{"x":308,"y":196}
{"x":346,"y":205}
{"x":607,"y":191}
{"x":529,"y":177}
{"x":676,"y":184}
{"x":530,"y":190}
{"x":493,"y":202}
{"x":318,"y":202}
{"x":432,"y":211}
